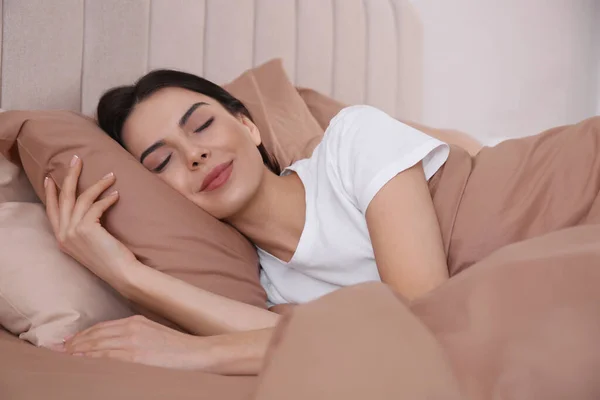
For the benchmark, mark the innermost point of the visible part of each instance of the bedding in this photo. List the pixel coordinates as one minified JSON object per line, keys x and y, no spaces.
{"x":27,"y":373}
{"x":519,"y":189}
{"x":521,"y":228}
{"x":323,"y":108}
{"x":521,"y":324}
{"x":287,"y":127}
{"x":14,"y":185}
{"x":360,"y":342}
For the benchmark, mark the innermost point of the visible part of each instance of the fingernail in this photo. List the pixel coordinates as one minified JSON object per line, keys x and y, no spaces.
{"x":107,"y":176}
{"x":77,"y":354}
{"x":74,"y":160}
{"x":115,"y":193}
{"x":66,"y":339}
{"x":45,"y":181}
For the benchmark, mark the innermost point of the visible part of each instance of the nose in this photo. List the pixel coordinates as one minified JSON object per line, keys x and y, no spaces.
{"x":197,"y":157}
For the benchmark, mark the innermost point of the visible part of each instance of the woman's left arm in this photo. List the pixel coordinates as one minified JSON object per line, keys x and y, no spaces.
{"x":406,"y":236}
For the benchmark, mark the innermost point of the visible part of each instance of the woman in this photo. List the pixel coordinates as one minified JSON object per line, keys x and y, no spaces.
{"x":358,"y":210}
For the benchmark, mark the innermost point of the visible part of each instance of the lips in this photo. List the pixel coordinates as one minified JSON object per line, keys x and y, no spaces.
{"x":217,"y":177}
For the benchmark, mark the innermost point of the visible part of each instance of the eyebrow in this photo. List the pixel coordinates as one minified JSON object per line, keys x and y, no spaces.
{"x":184,"y":119}
{"x":150,"y":149}
{"x":189,"y":112}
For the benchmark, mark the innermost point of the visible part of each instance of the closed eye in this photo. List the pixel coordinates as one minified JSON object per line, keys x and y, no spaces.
{"x":162,"y":165}
{"x":205,"y":125}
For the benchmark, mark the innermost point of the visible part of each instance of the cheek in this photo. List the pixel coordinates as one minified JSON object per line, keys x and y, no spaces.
{"x":233,"y":136}
{"x":176,"y":178}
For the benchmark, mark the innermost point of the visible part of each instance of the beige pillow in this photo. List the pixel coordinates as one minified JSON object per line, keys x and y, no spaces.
{"x":287,"y":128}
{"x":324,"y":108}
{"x":45,"y":295}
{"x":14,"y":185}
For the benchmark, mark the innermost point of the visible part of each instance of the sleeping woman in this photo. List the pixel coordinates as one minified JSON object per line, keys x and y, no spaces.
{"x":359,"y":209}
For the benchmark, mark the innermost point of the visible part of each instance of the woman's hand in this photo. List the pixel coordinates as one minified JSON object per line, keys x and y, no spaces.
{"x":76,"y":224}
{"x":139,"y":340}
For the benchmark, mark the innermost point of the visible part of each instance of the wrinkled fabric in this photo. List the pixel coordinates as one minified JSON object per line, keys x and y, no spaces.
{"x":517,"y":190}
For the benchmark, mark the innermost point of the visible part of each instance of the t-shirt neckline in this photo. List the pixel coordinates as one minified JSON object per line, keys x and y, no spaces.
{"x":305,"y":236}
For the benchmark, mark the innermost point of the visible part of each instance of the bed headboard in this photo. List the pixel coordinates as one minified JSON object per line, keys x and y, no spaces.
{"x":65,"y":53}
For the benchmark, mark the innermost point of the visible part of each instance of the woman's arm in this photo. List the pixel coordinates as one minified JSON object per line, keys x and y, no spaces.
{"x":406,"y":236}
{"x":239,"y":353}
{"x":137,"y":339}
{"x":199,"y":311}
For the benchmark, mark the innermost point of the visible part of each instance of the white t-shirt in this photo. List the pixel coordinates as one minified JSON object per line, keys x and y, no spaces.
{"x":362,"y":149}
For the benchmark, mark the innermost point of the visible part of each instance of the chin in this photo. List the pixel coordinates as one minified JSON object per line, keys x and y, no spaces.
{"x":224,"y":207}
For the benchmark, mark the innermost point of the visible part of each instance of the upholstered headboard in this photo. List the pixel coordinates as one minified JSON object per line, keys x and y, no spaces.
{"x":65,"y":53}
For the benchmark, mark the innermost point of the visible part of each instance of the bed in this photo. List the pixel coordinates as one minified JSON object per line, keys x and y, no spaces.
{"x":475,"y":338}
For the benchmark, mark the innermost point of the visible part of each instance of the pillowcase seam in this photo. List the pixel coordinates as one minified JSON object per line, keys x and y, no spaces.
{"x":39,"y":165}
{"x":264,"y":113}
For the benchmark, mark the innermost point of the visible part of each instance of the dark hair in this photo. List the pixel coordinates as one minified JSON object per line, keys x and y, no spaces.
{"x":116,"y":105}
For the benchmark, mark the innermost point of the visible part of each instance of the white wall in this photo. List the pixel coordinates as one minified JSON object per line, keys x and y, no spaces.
{"x":500,"y":68}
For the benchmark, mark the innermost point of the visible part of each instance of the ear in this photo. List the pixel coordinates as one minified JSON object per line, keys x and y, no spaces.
{"x":252,"y":130}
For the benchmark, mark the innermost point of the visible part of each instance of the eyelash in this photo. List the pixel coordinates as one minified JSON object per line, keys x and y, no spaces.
{"x":162,"y":166}
{"x":206,"y":125}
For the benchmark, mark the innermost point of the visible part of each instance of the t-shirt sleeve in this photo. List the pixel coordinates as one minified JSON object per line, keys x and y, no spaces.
{"x":369,"y":148}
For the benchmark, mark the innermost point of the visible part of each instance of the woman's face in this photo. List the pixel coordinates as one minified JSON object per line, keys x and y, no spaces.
{"x":196,"y":146}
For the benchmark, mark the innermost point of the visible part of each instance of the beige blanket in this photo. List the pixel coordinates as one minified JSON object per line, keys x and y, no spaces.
{"x":522,"y":324}
{"x":520,"y":189}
